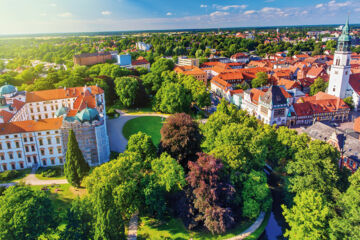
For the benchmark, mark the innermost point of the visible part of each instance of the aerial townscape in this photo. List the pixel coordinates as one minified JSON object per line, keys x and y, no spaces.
{"x":157,"y":121}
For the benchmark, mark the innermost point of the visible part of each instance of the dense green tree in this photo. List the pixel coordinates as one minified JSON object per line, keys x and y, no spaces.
{"x":314,"y":167}
{"x":168,"y":172}
{"x":260,"y":80}
{"x":162,"y":65}
{"x":180,"y":137}
{"x":152,"y":82}
{"x":25,"y":213}
{"x":126,"y":88}
{"x":198,"y":90}
{"x":75,"y":168}
{"x":172,"y":98}
{"x":79,"y":221}
{"x":346,"y":224}
{"x":142,"y":144}
{"x":119,"y":182}
{"x":255,"y":195}
{"x":319,"y":85}
{"x":309,"y":217}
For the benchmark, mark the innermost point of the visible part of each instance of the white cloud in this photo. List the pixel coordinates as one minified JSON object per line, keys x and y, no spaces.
{"x":203,"y":6}
{"x":65,"y":14}
{"x":43,"y":14}
{"x":249,"y":12}
{"x":53,"y":4}
{"x":218,"y":14}
{"x":269,"y":9}
{"x":320,"y":5}
{"x":169,"y":14}
{"x":304,"y":12}
{"x":357,"y":9}
{"x":232,"y":6}
{"x":106,"y":13}
{"x":228,"y":7}
{"x":335,"y":4}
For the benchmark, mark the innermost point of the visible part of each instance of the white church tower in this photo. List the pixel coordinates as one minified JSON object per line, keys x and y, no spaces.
{"x":340,"y":69}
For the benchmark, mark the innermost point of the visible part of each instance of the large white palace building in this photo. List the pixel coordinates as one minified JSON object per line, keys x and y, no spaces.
{"x":34,"y":126}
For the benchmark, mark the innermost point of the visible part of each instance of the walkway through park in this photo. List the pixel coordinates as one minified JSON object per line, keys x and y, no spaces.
{"x":251,"y":229}
{"x":115,"y":126}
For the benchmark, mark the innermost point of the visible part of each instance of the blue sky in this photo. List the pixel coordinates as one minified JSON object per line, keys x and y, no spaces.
{"x":47,"y":16}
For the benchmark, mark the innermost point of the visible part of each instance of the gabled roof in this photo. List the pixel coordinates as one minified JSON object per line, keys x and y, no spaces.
{"x":275,"y":96}
{"x":30,"y":126}
{"x":6,"y":115}
{"x":355,"y":82}
{"x":63,"y":93}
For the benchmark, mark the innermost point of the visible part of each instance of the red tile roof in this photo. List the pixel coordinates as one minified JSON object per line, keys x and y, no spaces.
{"x":30,"y":126}
{"x":62,"y":93}
{"x":355,"y":82}
{"x":6,"y":115}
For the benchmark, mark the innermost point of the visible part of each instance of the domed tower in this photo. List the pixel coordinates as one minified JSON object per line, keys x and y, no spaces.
{"x":88,"y":115}
{"x":340,"y":69}
{"x":7,"y":90}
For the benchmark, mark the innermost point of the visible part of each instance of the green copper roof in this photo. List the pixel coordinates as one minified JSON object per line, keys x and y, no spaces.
{"x":345,"y":35}
{"x":88,"y":115}
{"x":7,"y":89}
{"x":61,"y":111}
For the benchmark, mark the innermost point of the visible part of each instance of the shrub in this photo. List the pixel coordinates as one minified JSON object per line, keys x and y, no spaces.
{"x":9,"y":175}
{"x":51,"y":172}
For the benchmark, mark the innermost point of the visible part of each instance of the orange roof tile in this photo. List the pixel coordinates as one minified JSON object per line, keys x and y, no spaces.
{"x":6,"y":115}
{"x":62,"y":93}
{"x":357,"y":125}
{"x":30,"y":126}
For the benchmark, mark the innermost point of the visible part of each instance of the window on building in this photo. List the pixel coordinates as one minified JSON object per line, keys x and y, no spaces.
{"x":29,"y":159}
{"x":2,"y":157}
{"x":0,"y":146}
{"x":45,"y":109}
{"x":26,"y":148}
{"x":13,"y":166}
{"x":49,"y":141}
{"x":5,"y":167}
{"x":35,"y":159}
{"x":33,"y":148}
{"x":53,"y":161}
{"x":31,"y":110}
{"x":11,"y":156}
{"x":46,"y":115}
{"x":51,"y":151}
{"x":17,"y":144}
{"x":25,"y":139}
{"x":61,"y":160}
{"x":44,"y":162}
{"x":42,"y":151}
{"x":19,"y":154}
{"x":59,"y":149}
{"x":21,"y":165}
{"x":58,"y":140}
{"x":38,"y":109}
{"x":40,"y":142}
{"x":31,"y":139}
{"x":8,"y":145}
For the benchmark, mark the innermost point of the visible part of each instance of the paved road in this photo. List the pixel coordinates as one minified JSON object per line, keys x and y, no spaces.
{"x":251,"y":229}
{"x":115,"y":126}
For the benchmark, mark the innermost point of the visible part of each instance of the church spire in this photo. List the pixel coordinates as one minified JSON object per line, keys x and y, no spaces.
{"x":344,"y":41}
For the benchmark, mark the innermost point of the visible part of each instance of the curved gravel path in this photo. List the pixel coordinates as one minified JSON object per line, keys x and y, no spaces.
{"x":115,"y":126}
{"x":31,"y":179}
{"x":251,"y":229}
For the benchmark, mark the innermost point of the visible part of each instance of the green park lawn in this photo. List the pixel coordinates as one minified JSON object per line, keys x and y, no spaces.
{"x":149,"y":125}
{"x":150,"y":228}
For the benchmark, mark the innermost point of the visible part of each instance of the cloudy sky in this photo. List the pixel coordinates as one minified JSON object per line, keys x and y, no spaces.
{"x":48,"y":16}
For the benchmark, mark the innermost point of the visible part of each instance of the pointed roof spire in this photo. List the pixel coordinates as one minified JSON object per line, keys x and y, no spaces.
{"x":345,"y":35}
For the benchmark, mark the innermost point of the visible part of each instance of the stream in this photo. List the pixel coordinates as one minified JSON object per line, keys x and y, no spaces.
{"x":275,"y":227}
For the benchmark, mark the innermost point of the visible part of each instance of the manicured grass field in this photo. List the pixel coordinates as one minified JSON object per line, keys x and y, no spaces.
{"x":150,"y":228}
{"x":149,"y":125}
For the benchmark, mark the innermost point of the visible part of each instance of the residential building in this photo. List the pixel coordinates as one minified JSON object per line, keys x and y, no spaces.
{"x":348,"y":146}
{"x":184,"y":61}
{"x":143,"y":46}
{"x":193,"y":71}
{"x":141,"y":62}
